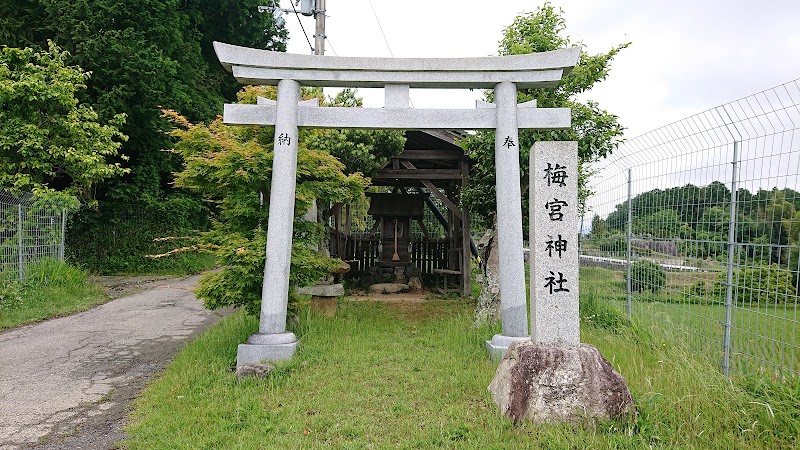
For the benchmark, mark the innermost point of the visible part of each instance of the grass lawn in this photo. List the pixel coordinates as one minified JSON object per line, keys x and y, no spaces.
{"x":764,"y":338}
{"x":52,"y":289}
{"x":382,"y":375}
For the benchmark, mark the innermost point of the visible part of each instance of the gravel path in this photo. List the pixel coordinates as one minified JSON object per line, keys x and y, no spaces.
{"x":67,"y":383}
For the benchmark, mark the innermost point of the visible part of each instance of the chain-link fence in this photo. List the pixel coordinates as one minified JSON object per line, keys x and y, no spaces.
{"x":695,"y":228}
{"x":30,"y":230}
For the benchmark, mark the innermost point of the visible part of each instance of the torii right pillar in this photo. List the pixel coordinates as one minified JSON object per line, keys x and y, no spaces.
{"x":513,"y":304}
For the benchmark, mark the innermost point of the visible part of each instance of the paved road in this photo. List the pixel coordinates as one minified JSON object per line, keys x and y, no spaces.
{"x":67,"y":382}
{"x":613,"y":263}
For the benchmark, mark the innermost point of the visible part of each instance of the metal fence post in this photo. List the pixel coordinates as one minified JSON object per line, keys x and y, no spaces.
{"x":63,"y":234}
{"x":19,"y":239}
{"x":726,"y":344}
{"x":628,"y":240}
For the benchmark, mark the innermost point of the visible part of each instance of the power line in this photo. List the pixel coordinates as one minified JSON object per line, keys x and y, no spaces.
{"x":381,"y":28}
{"x":385,"y":40}
{"x":302,"y":27}
{"x":332,"y":49}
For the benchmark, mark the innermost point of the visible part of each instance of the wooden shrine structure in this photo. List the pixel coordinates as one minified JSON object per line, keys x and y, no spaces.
{"x":432,"y":165}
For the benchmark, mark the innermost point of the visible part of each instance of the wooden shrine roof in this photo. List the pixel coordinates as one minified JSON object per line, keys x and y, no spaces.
{"x":432,"y":155}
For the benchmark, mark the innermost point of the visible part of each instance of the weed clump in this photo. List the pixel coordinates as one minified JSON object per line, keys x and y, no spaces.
{"x":647,"y":276}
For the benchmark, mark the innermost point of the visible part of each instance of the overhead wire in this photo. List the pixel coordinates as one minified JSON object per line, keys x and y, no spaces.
{"x":331,"y":46}
{"x":380,"y":27}
{"x":302,"y":27}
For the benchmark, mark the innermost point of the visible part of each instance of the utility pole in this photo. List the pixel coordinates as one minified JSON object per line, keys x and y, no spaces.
{"x":319,"y":32}
{"x":313,"y":213}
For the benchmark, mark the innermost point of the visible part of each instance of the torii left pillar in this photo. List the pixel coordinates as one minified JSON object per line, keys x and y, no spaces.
{"x":273,"y":342}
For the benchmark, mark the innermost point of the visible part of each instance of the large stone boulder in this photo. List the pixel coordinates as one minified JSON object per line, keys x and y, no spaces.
{"x":547,"y":384}
{"x":341,"y":268}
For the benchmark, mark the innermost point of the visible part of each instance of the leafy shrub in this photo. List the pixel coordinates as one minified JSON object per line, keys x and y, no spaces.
{"x":762,"y":285}
{"x":615,"y":243}
{"x":117,"y":237}
{"x":647,"y":276}
{"x":229,"y":167}
{"x":10,"y":295}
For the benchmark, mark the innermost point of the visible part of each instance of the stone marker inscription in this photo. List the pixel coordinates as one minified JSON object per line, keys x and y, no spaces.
{"x":553,"y":241}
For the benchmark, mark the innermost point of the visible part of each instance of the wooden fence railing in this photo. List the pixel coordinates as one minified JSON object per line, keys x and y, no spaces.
{"x":362,"y":253}
{"x":429,"y":255}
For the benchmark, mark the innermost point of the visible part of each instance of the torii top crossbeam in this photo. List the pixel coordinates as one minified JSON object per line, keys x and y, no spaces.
{"x":254,"y":66}
{"x":396,"y":76}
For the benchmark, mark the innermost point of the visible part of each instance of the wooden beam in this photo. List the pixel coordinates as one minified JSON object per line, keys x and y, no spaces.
{"x":422,"y":227}
{"x":434,"y":155}
{"x":436,"y":192}
{"x":428,"y":174}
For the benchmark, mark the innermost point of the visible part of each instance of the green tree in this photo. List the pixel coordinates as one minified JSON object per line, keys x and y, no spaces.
{"x":777,"y":216}
{"x":48,"y":139}
{"x":361,"y":151}
{"x":231,"y":168}
{"x":364,"y":151}
{"x":716,"y":220}
{"x":144,"y":55}
{"x":597,"y":131}
{"x":662,"y":224}
{"x":599,"y":228}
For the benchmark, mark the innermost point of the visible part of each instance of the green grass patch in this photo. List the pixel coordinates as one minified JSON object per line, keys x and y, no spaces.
{"x":52,"y":288}
{"x":116,"y":238}
{"x":415,"y":376}
{"x":177,"y":265}
{"x":764,"y":337}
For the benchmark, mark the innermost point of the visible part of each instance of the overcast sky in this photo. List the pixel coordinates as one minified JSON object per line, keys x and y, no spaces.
{"x":686,"y":56}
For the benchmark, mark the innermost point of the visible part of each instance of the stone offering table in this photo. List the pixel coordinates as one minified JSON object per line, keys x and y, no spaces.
{"x":324,"y":298}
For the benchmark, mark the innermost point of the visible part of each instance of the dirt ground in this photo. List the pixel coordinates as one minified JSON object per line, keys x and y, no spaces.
{"x":122,"y":286}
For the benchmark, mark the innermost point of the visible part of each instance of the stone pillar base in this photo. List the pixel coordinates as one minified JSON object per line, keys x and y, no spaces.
{"x":499,"y":344}
{"x":547,"y":384}
{"x":261,"y":348}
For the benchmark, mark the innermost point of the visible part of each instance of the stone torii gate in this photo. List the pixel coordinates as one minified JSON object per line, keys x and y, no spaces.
{"x":504,"y":74}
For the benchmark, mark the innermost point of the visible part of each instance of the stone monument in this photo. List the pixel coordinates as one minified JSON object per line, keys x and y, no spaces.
{"x":553,"y":240}
{"x":553,"y":377}
{"x":504,"y":74}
